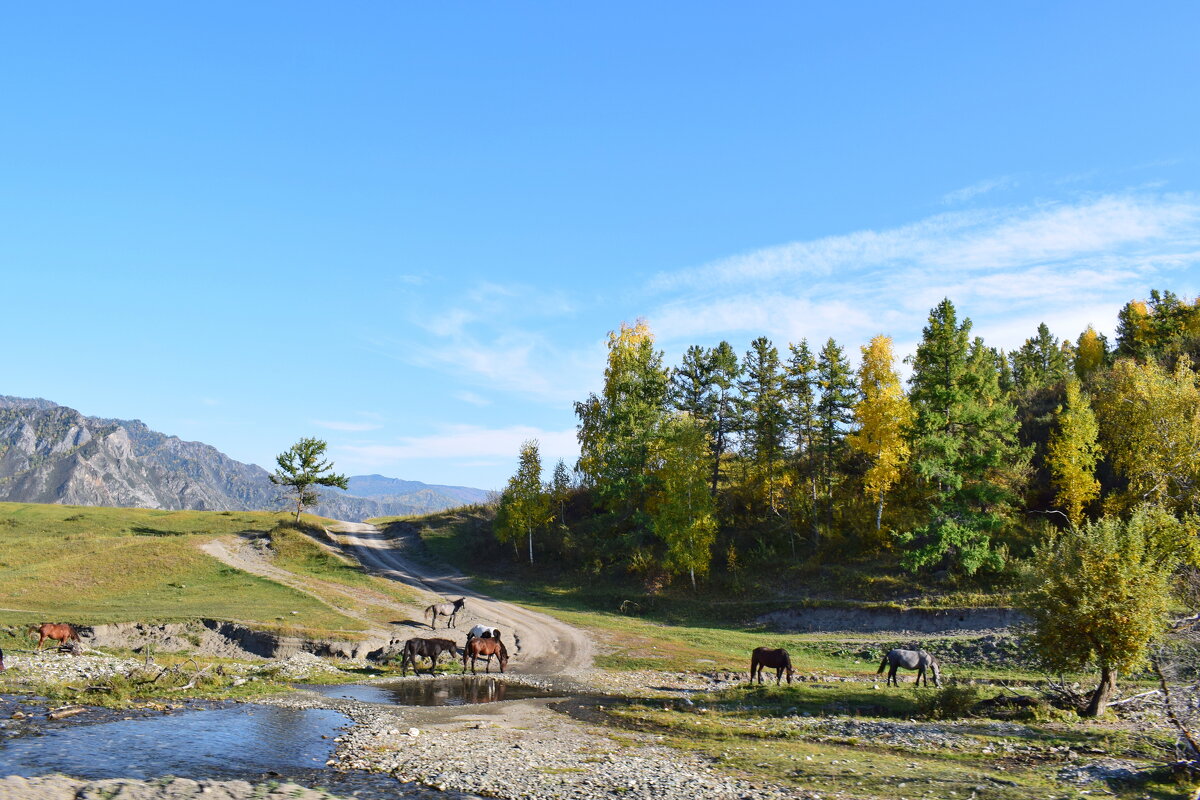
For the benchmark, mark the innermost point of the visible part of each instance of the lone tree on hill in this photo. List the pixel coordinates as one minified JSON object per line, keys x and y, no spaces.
{"x":301,"y":468}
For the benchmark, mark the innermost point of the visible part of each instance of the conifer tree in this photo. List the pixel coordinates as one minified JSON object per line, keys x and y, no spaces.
{"x":964,"y":446}
{"x":1072,"y":453}
{"x":883,"y":414}
{"x":1040,"y":362}
{"x":763,"y":417}
{"x":725,"y":372}
{"x":800,"y":389}
{"x":835,"y":411}
{"x":681,"y":507}
{"x":301,"y":467}
{"x":691,"y":387}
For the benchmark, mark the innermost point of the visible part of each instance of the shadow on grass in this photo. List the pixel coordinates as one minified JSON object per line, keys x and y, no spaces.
{"x":145,"y":530}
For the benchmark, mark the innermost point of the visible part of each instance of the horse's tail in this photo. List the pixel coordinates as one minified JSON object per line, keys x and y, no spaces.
{"x":430,"y":610}
{"x":882,"y":666}
{"x":72,"y":635}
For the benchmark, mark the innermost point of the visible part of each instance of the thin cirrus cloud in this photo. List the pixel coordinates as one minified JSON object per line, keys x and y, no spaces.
{"x":471,"y":442}
{"x":1040,"y":262}
{"x":968,"y":193}
{"x":349,"y":427}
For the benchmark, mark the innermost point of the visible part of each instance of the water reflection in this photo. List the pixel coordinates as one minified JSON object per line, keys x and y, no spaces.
{"x":226,"y":742}
{"x":441,"y":692}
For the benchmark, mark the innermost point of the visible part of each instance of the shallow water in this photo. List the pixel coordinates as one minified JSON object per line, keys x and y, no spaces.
{"x":238,"y":742}
{"x":458,"y":691}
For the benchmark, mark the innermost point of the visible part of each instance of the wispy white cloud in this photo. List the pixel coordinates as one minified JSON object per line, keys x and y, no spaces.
{"x":473,"y":399}
{"x":467,"y":442}
{"x":500,"y":337}
{"x":1028,"y":263}
{"x":352,"y":427}
{"x":967,"y":193}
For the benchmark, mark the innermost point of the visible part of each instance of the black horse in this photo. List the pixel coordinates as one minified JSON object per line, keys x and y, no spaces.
{"x":766,"y":657}
{"x":425,"y":648}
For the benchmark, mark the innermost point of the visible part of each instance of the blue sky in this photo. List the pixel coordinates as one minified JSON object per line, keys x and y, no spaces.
{"x":408,"y":228}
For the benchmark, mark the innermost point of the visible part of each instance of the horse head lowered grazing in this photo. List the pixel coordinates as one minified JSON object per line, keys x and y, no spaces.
{"x":58,"y":631}
{"x":910,"y":659}
{"x":766,"y":657}
{"x":425,"y":648}
{"x":480,"y":648}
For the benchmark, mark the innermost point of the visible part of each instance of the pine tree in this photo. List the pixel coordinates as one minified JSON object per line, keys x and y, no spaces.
{"x":964,"y":446}
{"x":1072,"y":453}
{"x":301,"y":467}
{"x":681,"y":508}
{"x":691,"y":387}
{"x":725,"y":372}
{"x":800,"y":390}
{"x":763,"y":417}
{"x":835,"y":411}
{"x":883,"y":414}
{"x":1040,"y":362}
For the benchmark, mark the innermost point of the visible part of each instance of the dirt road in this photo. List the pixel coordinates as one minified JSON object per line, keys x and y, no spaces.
{"x":538,"y":644}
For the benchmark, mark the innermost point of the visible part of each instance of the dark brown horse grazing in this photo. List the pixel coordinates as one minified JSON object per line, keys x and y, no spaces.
{"x":766,"y":657}
{"x":478,"y":648}
{"x":425,"y":648}
{"x":58,"y":631}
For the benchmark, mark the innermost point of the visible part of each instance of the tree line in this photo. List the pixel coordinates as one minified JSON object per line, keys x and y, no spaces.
{"x":1073,"y":461}
{"x":786,"y":454}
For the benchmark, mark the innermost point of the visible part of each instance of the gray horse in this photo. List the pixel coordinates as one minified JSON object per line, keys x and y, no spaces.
{"x":449,"y":610}
{"x":910,"y":659}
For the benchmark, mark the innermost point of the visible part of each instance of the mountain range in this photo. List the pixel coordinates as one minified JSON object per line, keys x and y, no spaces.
{"x":54,"y":454}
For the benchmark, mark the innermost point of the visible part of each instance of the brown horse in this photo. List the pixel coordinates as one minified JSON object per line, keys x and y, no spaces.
{"x":478,"y":648}
{"x":766,"y":657}
{"x":58,"y":631}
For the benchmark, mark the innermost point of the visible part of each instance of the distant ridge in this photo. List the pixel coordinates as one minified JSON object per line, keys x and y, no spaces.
{"x":53,"y":454}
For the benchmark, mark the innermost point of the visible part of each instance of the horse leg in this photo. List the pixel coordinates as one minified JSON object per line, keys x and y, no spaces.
{"x":41,"y":638}
{"x":892,"y":680}
{"x":778,"y":675}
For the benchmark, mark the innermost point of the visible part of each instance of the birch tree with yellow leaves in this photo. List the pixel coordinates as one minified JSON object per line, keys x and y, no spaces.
{"x":1072,"y":452}
{"x":882,"y":415}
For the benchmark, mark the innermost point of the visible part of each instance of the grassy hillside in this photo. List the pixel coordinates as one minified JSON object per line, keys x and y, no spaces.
{"x":671,"y":629}
{"x":94,"y":565}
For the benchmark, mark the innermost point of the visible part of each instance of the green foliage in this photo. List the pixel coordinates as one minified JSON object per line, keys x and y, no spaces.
{"x":764,"y":420}
{"x":300,"y":467}
{"x":682,"y":510}
{"x":1101,"y":592}
{"x":617,"y":427}
{"x":948,"y":702}
{"x":964,"y":448}
{"x":524,"y":506}
{"x":1040,"y":362}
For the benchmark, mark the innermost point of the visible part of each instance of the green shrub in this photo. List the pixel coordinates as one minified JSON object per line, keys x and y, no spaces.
{"x":949,"y":702}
